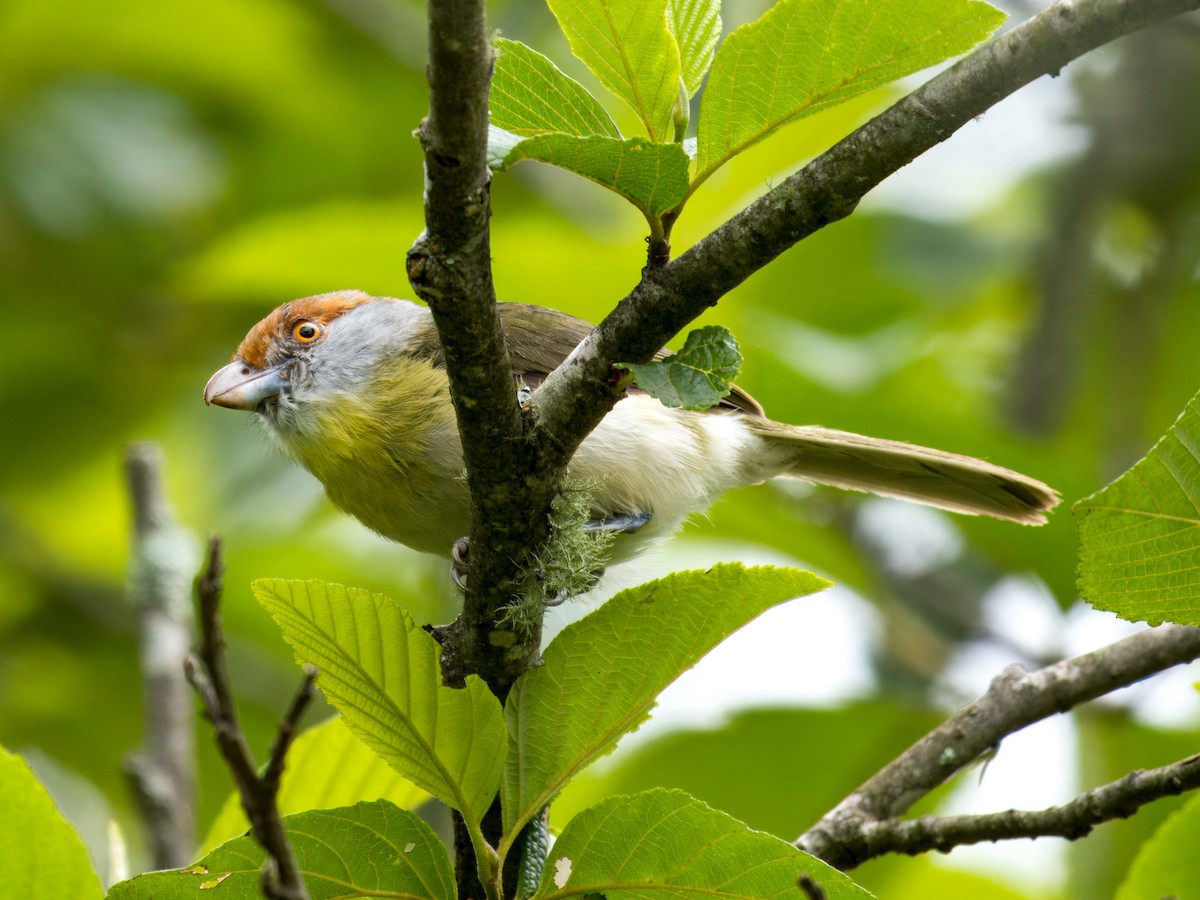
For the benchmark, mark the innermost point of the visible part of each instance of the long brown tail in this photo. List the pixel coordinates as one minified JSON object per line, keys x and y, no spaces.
{"x":894,"y":469}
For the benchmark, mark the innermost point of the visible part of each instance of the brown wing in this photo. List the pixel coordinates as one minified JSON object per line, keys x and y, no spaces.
{"x":540,"y":338}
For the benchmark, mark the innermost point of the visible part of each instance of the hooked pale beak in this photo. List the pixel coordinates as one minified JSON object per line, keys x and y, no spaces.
{"x":241,"y":386}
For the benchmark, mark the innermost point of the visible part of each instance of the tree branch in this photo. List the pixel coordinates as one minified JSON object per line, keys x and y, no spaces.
{"x":1016,"y":698}
{"x":450,"y":268}
{"x":576,"y":396}
{"x":1116,"y":800}
{"x":163,"y":562}
{"x":281,"y":877}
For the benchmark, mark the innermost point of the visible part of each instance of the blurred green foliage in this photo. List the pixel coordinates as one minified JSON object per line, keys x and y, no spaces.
{"x":170,"y":172}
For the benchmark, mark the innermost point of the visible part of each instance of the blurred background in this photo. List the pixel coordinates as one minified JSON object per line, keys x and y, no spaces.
{"x":1027,"y":292}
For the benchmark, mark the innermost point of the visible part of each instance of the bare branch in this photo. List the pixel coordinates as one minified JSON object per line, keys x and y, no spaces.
{"x":163,"y":562}
{"x":1015,"y":699}
{"x":575,"y":397}
{"x":1115,"y":800}
{"x":285,"y":733}
{"x":281,"y":878}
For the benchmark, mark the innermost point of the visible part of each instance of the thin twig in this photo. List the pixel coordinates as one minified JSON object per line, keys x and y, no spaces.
{"x":1118,"y":799}
{"x":281,"y":878}
{"x":1015,"y":699}
{"x":163,"y":561}
{"x":286,"y":732}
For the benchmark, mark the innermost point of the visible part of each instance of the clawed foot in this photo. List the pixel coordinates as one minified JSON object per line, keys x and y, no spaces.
{"x":562,"y":596}
{"x":459,"y":557}
{"x":626,"y":523}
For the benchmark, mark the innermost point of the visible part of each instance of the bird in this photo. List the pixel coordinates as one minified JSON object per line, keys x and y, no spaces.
{"x":354,"y":389}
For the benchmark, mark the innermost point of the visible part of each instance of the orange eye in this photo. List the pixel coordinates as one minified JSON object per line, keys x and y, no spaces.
{"x":305,"y":331}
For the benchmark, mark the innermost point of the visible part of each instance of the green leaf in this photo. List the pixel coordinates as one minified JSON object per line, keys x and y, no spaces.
{"x":1167,"y":865}
{"x":628,"y":47}
{"x":530,"y":95}
{"x":697,"y":377}
{"x":43,"y":856}
{"x":1139,"y":537}
{"x":366,"y":850}
{"x":696,"y":25}
{"x":654,"y":177}
{"x":381,"y":672}
{"x":803,"y":56}
{"x":327,"y":766}
{"x":601,"y":674}
{"x":667,"y":843}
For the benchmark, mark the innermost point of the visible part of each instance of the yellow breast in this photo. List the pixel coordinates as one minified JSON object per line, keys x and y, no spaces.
{"x":389,"y":455}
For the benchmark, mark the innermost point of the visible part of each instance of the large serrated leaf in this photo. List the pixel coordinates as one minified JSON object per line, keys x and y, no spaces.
{"x":696,"y":25}
{"x":668,"y":844}
{"x":628,"y":47}
{"x":327,"y":766}
{"x":365,"y":850}
{"x":530,"y":95}
{"x":1139,"y":537}
{"x":697,"y":377}
{"x":803,"y":56}
{"x":381,"y":672}
{"x":603,"y":673}
{"x":654,"y":177}
{"x":42,"y":854}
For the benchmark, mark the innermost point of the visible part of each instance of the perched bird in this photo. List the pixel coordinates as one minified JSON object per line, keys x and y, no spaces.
{"x":354,"y":389}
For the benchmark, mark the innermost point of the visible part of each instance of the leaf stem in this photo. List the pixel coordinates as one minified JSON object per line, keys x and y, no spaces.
{"x":681,"y":113}
{"x":487,"y":861}
{"x":658,"y":250}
